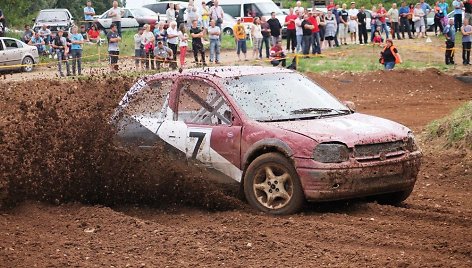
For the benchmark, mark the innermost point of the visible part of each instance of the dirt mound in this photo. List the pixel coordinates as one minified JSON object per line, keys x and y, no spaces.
{"x":57,"y":145}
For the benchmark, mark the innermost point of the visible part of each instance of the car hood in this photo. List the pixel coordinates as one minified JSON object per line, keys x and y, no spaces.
{"x":350,"y":129}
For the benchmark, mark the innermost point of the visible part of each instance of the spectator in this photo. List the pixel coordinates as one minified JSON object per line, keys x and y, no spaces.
{"x":170,"y":13}
{"x":183,"y":44}
{"x":180,"y":14}
{"x":393,"y":16}
{"x":343,"y":26}
{"x":277,"y":55}
{"x":163,"y":54}
{"x":3,"y":21}
{"x":60,"y":45}
{"x":315,"y":33}
{"x":173,"y":39}
{"x":191,"y":14}
{"x":457,"y":5}
{"x":215,"y":44}
{"x":84,"y":34}
{"x":298,"y":31}
{"x":362,"y":20}
{"x":331,"y":26}
{"x":38,"y":42}
{"x":390,"y":56}
{"x":444,"y":7}
{"x":450,"y":34}
{"x":147,"y":40}
{"x":160,"y":33}
{"x":307,"y":34}
{"x":77,"y":40}
{"x":335,"y":11}
{"x":438,"y":16}
{"x":240,"y":38}
{"x":256,"y":33}
{"x":275,"y":28}
{"x":353,"y":11}
{"x":265,"y":29}
{"x":330,"y":5}
{"x":27,"y":34}
{"x":299,"y":8}
{"x":466,"y":42}
{"x":197,"y":44}
{"x":468,"y":10}
{"x":89,"y":12}
{"x":377,"y":38}
{"x":426,"y":9}
{"x":217,"y":13}
{"x":418,"y":16}
{"x":115,"y":14}
{"x":321,"y":26}
{"x":382,"y":13}
{"x":139,"y":49}
{"x":410,"y":17}
{"x":45,"y":33}
{"x":94,"y":34}
{"x":113,"y":47}
{"x":291,"y":31}
{"x":404,"y":12}
{"x":205,"y":15}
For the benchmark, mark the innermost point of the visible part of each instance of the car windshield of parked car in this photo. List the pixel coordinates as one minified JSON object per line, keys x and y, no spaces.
{"x":142,"y":12}
{"x":282,"y":96}
{"x":50,"y":16}
{"x":268,"y":7}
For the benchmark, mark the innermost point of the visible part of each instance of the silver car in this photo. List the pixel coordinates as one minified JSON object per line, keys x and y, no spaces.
{"x":15,"y":54}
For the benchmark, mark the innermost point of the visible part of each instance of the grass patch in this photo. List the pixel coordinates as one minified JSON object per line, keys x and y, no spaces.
{"x":454,"y":130}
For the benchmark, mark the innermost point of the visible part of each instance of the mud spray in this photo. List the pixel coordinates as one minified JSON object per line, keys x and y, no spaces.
{"x":56,"y":145}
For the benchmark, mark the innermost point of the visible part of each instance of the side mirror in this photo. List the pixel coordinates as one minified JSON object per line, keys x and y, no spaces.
{"x":350,"y":105}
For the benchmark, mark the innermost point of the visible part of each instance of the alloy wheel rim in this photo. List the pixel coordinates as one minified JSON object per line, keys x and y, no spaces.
{"x":273,"y":187}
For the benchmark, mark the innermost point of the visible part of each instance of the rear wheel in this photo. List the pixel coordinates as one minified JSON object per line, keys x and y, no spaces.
{"x":394,"y":198}
{"x":271,"y":184}
{"x":27,"y":64}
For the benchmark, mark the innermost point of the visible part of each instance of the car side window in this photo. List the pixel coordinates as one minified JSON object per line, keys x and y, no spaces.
{"x":10,"y":44}
{"x":147,"y":98}
{"x":1,"y":45}
{"x":201,"y":103}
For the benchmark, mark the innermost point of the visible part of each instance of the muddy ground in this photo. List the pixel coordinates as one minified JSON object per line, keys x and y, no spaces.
{"x":70,"y":197}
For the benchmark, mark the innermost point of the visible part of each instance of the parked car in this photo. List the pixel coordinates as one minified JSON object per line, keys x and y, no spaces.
{"x":54,"y":19}
{"x":132,"y":18}
{"x":15,"y":54}
{"x":160,"y":8}
{"x":276,"y":133}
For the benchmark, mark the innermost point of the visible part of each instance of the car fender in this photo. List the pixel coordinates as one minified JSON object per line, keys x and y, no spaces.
{"x":263,"y":145}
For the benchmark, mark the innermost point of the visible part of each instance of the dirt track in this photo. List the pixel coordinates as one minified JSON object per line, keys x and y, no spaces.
{"x":189,"y":223}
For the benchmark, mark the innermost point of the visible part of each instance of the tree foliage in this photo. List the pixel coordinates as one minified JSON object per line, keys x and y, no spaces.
{"x":19,"y":12}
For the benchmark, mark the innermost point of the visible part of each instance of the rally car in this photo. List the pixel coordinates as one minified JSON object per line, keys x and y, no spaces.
{"x":278,"y":134}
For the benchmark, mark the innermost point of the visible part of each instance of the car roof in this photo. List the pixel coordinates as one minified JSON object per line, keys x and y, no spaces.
{"x":54,"y":9}
{"x":235,"y":71}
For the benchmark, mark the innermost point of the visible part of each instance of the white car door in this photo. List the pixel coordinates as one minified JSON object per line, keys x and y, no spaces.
{"x":128,"y":20}
{"x":2,"y":55}
{"x":13,"y":55}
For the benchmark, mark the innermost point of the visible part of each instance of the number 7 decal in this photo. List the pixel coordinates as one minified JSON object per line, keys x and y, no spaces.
{"x":200,"y":136}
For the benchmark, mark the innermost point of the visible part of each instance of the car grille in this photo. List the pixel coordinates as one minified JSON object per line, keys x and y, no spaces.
{"x":379,"y":151}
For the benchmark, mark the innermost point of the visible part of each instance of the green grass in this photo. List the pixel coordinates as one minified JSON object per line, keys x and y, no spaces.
{"x":455,"y":129}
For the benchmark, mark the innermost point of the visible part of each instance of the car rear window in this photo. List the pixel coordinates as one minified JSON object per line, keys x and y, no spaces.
{"x":51,"y":16}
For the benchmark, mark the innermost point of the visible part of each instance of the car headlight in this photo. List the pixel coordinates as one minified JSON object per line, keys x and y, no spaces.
{"x":331,"y":153}
{"x":411,"y":143}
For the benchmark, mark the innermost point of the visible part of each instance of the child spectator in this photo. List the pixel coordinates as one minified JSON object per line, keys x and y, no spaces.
{"x":197,"y":45}
{"x":183,"y":44}
{"x":377,"y":38}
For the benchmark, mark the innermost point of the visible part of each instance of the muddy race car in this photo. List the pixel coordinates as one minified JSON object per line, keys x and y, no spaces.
{"x":278,"y":134}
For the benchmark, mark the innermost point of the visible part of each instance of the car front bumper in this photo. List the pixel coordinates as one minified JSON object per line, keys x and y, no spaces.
{"x":360,"y":180}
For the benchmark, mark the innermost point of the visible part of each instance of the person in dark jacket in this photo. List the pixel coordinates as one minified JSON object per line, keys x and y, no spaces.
{"x":275,"y":28}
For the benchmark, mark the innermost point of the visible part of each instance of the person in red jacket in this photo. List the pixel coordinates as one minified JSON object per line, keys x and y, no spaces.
{"x":291,"y":31}
{"x":315,"y":32}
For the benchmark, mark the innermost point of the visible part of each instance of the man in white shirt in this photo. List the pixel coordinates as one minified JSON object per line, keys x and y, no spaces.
{"x":217,"y":13}
{"x":115,"y":14}
{"x":352,"y":12}
{"x":173,"y":38}
{"x":299,"y":8}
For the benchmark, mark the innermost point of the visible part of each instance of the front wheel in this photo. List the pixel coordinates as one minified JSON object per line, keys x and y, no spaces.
{"x":271,"y":184}
{"x":27,"y":64}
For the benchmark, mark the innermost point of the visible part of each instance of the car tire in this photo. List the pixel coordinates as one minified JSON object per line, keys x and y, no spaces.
{"x":28,"y":64}
{"x":394,"y":198}
{"x":228,"y":31}
{"x":272,"y":185}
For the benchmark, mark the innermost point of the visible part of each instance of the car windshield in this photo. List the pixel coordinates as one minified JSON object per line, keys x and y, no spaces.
{"x":269,"y":7}
{"x":49,"y":16}
{"x":142,"y":12}
{"x":282,"y":96}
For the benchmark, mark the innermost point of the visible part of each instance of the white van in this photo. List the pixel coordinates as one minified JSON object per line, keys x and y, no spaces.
{"x":248,"y":9}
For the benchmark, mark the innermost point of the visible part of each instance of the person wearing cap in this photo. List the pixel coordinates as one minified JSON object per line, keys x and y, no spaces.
{"x":113,"y":47}
{"x":390,"y":56}
{"x":77,"y":40}
{"x":60,"y":45}
{"x":139,"y":49}
{"x":240,"y":38}
{"x":163,"y":54}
